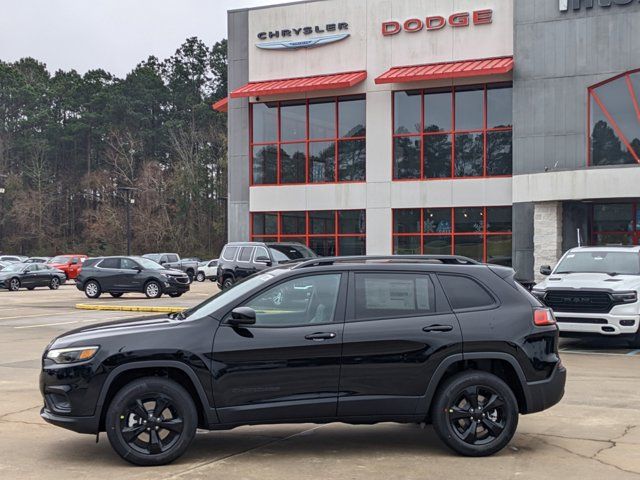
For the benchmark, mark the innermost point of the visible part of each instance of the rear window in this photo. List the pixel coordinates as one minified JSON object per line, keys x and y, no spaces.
{"x":463,"y":292}
{"x":384,"y":295}
{"x":229,"y":253}
{"x":245,"y":254}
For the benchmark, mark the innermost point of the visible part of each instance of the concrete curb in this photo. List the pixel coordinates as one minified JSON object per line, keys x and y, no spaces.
{"x":129,"y":308}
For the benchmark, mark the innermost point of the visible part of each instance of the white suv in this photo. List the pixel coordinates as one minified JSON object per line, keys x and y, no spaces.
{"x":594,"y":291}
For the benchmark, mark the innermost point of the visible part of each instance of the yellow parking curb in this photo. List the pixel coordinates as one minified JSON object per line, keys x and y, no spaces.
{"x":129,"y":308}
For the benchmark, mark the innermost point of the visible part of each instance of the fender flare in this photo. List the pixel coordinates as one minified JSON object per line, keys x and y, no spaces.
{"x":424,"y":404}
{"x":210,"y":413}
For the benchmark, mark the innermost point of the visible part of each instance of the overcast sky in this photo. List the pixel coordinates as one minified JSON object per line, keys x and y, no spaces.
{"x":110,"y":34}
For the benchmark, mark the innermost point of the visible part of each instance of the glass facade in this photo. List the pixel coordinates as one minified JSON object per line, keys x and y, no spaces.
{"x":453,"y":133}
{"x":455,"y":231}
{"x":308,"y":141}
{"x":615,"y":223}
{"x":326,"y":232}
{"x":614,"y":121}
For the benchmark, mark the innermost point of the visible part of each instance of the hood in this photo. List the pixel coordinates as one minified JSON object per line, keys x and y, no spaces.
{"x":172,"y":271}
{"x":132,"y":326}
{"x":4,"y":274}
{"x":590,"y":281}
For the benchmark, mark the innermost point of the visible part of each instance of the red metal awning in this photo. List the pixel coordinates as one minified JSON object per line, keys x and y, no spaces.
{"x":300,"y":85}
{"x":446,"y":70}
{"x":221,"y":105}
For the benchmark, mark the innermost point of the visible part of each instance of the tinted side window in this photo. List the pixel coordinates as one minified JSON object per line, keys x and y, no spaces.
{"x":129,"y":264}
{"x":261,"y":252}
{"x":388,"y":295}
{"x":172,"y":258}
{"x":110,"y":263}
{"x":229,"y":253}
{"x":463,"y":292}
{"x":245,"y":254}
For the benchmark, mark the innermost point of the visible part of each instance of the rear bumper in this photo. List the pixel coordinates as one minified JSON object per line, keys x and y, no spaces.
{"x":546,"y":393}
{"x":89,"y":425}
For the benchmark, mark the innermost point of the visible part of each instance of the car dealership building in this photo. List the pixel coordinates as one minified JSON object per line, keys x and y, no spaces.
{"x":503,"y":130}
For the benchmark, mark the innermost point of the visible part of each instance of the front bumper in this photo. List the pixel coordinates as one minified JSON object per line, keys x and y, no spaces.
{"x":609,"y":324}
{"x":546,"y":393}
{"x":89,"y":425}
{"x":172,"y":286}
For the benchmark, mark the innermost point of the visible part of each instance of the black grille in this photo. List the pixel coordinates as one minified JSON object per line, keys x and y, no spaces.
{"x":597,"y":321}
{"x":584,"y":302}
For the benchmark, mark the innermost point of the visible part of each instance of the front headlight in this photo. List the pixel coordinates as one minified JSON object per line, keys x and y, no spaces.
{"x":72,"y":355}
{"x":539,"y":294}
{"x":625,"y":297}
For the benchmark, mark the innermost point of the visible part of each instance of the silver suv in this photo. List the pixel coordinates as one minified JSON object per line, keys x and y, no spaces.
{"x":594,"y":291}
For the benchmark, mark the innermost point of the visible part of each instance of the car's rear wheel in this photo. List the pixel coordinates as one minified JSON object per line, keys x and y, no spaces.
{"x":31,"y":288}
{"x":151,"y":421}
{"x":227,"y":283}
{"x":116,"y":294}
{"x":175,"y":294}
{"x":92,"y":289}
{"x":153,"y":289}
{"x":475,"y":413}
{"x":14,"y":284}
{"x":54,"y":284}
{"x":200,"y":277}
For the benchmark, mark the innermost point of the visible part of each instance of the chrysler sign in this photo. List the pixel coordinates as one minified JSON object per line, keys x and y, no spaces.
{"x":565,"y":5}
{"x":299,"y":37}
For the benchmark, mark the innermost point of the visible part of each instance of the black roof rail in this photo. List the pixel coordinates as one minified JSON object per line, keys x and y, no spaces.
{"x":445,"y":259}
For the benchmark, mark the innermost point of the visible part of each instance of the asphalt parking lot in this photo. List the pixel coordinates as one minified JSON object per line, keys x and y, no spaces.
{"x":594,"y":433}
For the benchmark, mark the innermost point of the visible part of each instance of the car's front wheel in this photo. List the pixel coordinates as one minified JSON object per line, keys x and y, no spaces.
{"x":92,"y":289}
{"x":475,"y":413}
{"x":153,"y":289}
{"x":200,"y":277}
{"x":151,"y":421}
{"x":54,"y":284}
{"x":227,"y":284}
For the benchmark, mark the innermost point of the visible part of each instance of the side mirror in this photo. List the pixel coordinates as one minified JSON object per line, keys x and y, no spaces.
{"x":163,"y":262}
{"x":545,"y":270}
{"x":74,"y":262}
{"x":264,"y":260}
{"x":242,"y":316}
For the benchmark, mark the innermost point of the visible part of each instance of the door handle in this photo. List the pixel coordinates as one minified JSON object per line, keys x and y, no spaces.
{"x":318,"y":337}
{"x":437,"y":328}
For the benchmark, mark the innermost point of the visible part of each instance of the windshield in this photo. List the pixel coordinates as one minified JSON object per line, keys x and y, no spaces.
{"x":613,"y":263}
{"x":14,"y":267}
{"x":225,"y":297}
{"x":60,"y":259}
{"x":149,"y":264}
{"x":284,"y":253}
{"x":152,"y":256}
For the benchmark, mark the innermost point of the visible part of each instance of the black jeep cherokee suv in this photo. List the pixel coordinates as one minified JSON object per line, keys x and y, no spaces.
{"x":358,"y":340}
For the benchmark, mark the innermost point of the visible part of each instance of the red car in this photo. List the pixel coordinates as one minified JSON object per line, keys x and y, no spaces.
{"x":70,"y":264}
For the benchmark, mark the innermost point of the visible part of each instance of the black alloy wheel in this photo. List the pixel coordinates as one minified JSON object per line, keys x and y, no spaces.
{"x":14,"y":284}
{"x":227,"y":284}
{"x":151,"y":421}
{"x":475,"y":414}
{"x":54,"y":284}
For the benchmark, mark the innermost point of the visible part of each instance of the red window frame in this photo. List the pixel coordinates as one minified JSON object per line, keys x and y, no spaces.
{"x":336,"y":235}
{"x":336,"y":139}
{"x":592,"y":94}
{"x":633,"y":234}
{"x":452,"y":132}
{"x":421,"y":234}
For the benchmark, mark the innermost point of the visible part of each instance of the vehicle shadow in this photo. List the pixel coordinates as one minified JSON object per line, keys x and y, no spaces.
{"x":287,"y":442}
{"x":597,"y":345}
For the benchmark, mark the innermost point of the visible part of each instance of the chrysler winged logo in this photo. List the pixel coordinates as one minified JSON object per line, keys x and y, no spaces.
{"x":306,"y":43}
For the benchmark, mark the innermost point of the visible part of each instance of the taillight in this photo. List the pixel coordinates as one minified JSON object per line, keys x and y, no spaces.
{"x":543,"y":317}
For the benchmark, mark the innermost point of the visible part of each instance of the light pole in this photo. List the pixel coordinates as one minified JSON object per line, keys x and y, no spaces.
{"x":129,"y":201}
{"x":2,"y":192}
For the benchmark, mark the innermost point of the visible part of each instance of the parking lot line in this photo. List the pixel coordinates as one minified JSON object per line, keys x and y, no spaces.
{"x":34,"y":316}
{"x":88,"y":320}
{"x":587,"y":352}
{"x":46,"y":325}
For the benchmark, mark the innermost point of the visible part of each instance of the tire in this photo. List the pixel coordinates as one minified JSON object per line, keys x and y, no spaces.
{"x":54,"y":284}
{"x":227,"y":283}
{"x":200,"y":277}
{"x":191,"y":274}
{"x":31,"y":288}
{"x":133,"y":439}
{"x":116,"y":294}
{"x":14,"y":284}
{"x":175,"y":294}
{"x":153,"y":289}
{"x":92,"y":289}
{"x":486,"y":433}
